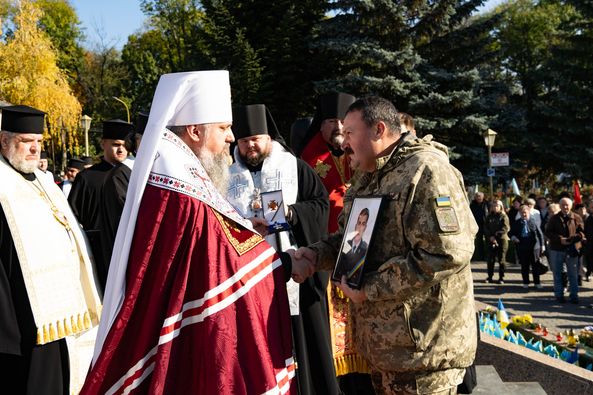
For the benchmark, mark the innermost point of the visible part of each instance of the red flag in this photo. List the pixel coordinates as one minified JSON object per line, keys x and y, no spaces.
{"x":576,"y":192}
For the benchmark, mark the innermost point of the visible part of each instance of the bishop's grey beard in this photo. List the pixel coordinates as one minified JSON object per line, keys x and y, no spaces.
{"x":217,"y":167}
{"x":21,"y":164}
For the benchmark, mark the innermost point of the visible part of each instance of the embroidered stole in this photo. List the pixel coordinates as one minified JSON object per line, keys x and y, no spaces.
{"x":279,"y":172}
{"x":56,"y":267}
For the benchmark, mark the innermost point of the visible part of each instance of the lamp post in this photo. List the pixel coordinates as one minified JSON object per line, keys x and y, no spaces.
{"x":489,"y":137}
{"x":85,"y":122}
{"x":125,"y":105}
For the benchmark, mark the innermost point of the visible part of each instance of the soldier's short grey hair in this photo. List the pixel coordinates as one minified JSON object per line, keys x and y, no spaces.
{"x":374,"y":109}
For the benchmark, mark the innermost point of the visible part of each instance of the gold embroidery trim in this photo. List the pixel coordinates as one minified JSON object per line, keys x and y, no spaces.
{"x":243,"y":247}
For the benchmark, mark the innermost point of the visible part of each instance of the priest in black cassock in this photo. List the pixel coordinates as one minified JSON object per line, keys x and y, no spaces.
{"x":85,"y":195}
{"x":115,"y":188}
{"x":264,"y":163}
{"x":73,"y":167}
{"x":49,"y":304}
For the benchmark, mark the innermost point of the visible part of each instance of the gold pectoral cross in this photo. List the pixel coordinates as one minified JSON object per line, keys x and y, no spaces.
{"x":321,"y":168}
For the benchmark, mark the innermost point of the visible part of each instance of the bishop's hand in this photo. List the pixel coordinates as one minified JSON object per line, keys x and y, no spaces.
{"x":302,"y":266}
{"x":260,"y":225}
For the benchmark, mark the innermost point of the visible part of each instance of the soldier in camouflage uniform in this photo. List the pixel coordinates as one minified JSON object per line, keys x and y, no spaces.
{"x":414,"y":318}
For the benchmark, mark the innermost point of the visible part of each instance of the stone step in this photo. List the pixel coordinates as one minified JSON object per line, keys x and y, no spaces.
{"x":490,"y":383}
{"x":531,"y":388}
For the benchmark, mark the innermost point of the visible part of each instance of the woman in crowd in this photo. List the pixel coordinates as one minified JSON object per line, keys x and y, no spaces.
{"x":528,"y":238}
{"x":496,"y":227}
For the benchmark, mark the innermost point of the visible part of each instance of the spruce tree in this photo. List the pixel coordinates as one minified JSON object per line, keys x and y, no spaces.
{"x":565,"y":110}
{"x":279,"y":33}
{"x":423,"y":56}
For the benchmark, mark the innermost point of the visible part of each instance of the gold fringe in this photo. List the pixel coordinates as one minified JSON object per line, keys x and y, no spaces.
{"x":73,"y":324}
{"x":61,"y":332}
{"x":87,"y":320}
{"x":339,"y":293}
{"x":45,"y":335}
{"x":52,"y":332}
{"x":68,"y":326}
{"x":351,"y":363}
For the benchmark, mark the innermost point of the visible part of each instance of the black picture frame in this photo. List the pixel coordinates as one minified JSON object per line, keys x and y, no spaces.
{"x":276,"y":217}
{"x":354,"y":250}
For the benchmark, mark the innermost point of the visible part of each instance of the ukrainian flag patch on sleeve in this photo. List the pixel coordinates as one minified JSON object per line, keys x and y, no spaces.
{"x":443,"y":201}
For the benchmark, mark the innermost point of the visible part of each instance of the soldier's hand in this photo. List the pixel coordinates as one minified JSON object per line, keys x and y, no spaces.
{"x":302,"y":268}
{"x":356,"y":295}
{"x":306,"y":253}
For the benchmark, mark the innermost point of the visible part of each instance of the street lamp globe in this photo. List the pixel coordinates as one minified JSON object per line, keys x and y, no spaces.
{"x":489,"y":138}
{"x":85,"y":122}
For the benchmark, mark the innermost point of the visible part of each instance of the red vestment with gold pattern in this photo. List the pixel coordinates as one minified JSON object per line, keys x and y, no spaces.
{"x":334,"y":172}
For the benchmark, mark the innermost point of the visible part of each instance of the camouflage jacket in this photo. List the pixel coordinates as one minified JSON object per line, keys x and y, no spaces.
{"x":497,"y":225}
{"x":419,"y":318}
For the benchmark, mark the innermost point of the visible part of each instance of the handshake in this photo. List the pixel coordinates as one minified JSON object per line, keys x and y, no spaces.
{"x":303,"y":263}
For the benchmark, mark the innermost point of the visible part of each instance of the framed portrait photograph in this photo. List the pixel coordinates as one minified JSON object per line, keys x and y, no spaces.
{"x":358,"y":237}
{"x":274,"y":211}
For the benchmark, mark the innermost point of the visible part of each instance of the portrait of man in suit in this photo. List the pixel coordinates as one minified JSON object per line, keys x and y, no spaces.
{"x":355,"y":249}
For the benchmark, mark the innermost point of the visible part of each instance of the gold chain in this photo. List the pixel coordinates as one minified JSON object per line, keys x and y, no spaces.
{"x":61,"y":218}
{"x":339,"y":167}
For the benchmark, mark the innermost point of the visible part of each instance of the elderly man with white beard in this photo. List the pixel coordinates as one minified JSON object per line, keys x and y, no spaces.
{"x":49,"y":302}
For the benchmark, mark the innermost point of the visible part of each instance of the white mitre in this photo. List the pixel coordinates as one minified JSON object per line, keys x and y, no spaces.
{"x":208,"y":98}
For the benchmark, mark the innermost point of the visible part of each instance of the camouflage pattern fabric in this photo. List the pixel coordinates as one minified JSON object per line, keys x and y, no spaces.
{"x":390,"y":383}
{"x":419,"y":317}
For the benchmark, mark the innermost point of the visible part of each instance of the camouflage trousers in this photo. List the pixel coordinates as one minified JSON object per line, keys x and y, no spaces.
{"x":436,"y":383}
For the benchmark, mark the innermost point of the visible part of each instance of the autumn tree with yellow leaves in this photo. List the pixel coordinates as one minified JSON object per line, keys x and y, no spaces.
{"x":29,"y":75}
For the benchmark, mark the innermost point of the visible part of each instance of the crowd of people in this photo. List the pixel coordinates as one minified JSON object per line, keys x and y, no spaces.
{"x":545,"y":235}
{"x":165,"y":267}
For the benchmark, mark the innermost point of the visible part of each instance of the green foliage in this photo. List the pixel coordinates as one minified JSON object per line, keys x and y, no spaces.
{"x":29,"y":75}
{"x":143,"y":56}
{"x":279,"y":33}
{"x":422,"y":55}
{"x":181,"y":38}
{"x":60,"y":22}
{"x":565,"y":108}
{"x":101,"y":77}
{"x":263,"y":45}
{"x":228,"y":48}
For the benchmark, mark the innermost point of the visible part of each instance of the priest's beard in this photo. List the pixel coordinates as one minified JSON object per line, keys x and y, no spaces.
{"x":21,"y":164}
{"x":217,"y":167}
{"x":336,"y":139}
{"x":256,"y":159}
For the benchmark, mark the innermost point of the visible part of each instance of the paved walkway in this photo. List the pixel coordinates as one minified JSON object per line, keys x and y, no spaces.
{"x":540,"y":303}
